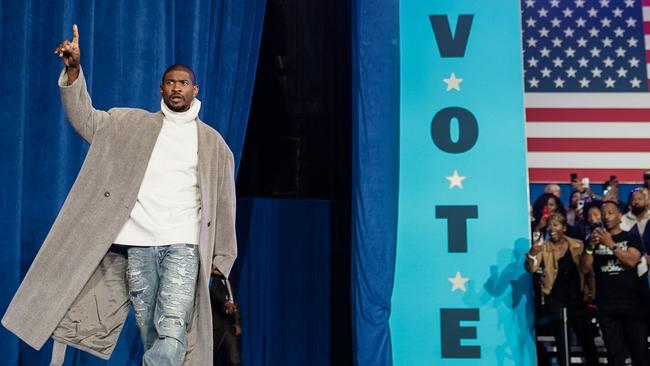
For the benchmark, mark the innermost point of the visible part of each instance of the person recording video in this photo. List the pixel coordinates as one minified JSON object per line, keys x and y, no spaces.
{"x":613,"y":254}
{"x":562,"y":285}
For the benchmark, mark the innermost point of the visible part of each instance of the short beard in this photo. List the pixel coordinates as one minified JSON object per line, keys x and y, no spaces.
{"x":637,"y":210}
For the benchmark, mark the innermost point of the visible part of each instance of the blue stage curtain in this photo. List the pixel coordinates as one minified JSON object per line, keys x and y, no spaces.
{"x":375,"y":148}
{"x":283,"y":276}
{"x":125,"y":47}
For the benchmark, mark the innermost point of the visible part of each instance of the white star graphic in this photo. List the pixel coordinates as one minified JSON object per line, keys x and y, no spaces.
{"x":604,"y":3}
{"x":543,"y":32}
{"x":592,"y":13}
{"x":542,"y":13}
{"x":555,"y":22}
{"x":555,"y":3}
{"x":605,"y":22}
{"x":534,"y":83}
{"x":570,"y":52}
{"x":568,"y":13}
{"x":546,"y":72}
{"x":609,"y":82}
{"x":530,"y":22}
{"x":545,"y":52}
{"x":582,"y":42}
{"x":618,"y":12}
{"x":584,"y":82}
{"x":607,"y":42}
{"x":636,"y":83}
{"x":583,"y":62}
{"x":559,"y":83}
{"x":632,"y":42}
{"x":595,"y":72}
{"x":558,"y":62}
{"x":608,"y":62}
{"x":618,"y":32}
{"x":532,"y":62}
{"x":568,"y":32}
{"x":458,"y":282}
{"x":453,"y":82}
{"x":571,"y":72}
{"x":620,"y":52}
{"x":556,"y":42}
{"x":532,"y":42}
{"x":629,"y":3}
{"x":631,"y":22}
{"x":634,"y":62}
{"x":593,"y":32}
{"x":621,"y":72}
{"x":595,"y":52}
{"x":530,"y":3}
{"x":580,"y":22}
{"x":456,"y":180}
{"x":580,"y":3}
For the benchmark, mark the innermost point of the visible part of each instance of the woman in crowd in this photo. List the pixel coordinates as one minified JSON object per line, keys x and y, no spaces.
{"x":545,"y":205}
{"x":561,"y":285}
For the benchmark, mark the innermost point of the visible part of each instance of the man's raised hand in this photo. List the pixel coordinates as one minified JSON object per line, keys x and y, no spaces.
{"x":69,"y":51}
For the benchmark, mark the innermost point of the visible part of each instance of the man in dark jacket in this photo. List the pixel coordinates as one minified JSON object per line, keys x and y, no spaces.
{"x":225,"y":322}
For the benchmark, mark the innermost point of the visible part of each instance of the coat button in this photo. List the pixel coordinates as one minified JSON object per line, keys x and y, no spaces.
{"x":208,"y":223}
{"x":107,"y":194}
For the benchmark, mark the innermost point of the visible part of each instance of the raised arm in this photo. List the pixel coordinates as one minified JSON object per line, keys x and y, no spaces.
{"x":77,"y":104}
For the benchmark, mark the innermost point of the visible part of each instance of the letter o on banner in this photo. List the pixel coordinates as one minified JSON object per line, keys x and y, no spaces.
{"x":467,"y":130}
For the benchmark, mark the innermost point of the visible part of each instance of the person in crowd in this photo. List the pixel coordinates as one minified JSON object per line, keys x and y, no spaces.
{"x":574,"y":212}
{"x":613,"y":254}
{"x":554,"y":189}
{"x":562,"y":285}
{"x":646,"y":185}
{"x":225,"y":323}
{"x":611,"y":193}
{"x":636,"y":219}
{"x":543,"y":206}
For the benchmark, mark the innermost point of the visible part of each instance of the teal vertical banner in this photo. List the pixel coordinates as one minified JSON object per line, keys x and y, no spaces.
{"x":461,"y":296}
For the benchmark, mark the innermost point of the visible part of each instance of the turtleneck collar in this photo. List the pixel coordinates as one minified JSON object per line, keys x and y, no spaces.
{"x":181,"y":117}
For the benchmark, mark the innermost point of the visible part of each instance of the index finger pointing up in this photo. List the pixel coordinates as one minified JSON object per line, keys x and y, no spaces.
{"x":75,"y":34}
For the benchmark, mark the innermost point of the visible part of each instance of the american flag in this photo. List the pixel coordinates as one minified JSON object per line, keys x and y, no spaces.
{"x":587,"y":89}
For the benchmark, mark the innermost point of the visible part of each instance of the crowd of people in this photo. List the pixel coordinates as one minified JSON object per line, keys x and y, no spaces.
{"x":588,"y":261}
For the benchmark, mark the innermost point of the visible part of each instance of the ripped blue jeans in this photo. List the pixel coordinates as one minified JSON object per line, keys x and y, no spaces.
{"x":162,"y":282}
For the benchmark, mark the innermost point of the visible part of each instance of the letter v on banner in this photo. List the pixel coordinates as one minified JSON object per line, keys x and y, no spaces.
{"x":461,"y":296}
{"x":448,"y":44}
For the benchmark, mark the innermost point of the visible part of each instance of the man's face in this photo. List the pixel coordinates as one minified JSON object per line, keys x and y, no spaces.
{"x":611,"y":216}
{"x":638,"y":202}
{"x":178,"y":90}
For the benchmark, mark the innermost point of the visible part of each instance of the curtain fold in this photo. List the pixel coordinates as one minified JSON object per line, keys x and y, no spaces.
{"x":125,"y":47}
{"x":375,"y":149}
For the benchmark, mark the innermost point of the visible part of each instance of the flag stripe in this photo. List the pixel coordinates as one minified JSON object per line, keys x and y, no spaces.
{"x":588,"y":100}
{"x":614,"y":130}
{"x":588,"y":145}
{"x":587,"y":115}
{"x":546,"y":175}
{"x":595,"y":160}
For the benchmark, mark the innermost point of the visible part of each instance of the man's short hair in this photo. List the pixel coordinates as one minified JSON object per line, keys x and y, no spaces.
{"x":612,"y":203}
{"x":178,"y":67}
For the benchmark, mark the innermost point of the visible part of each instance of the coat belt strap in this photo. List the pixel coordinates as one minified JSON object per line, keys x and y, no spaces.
{"x":58,"y":353}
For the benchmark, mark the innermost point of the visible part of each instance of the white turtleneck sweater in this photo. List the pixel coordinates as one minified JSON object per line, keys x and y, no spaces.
{"x":167,"y":210}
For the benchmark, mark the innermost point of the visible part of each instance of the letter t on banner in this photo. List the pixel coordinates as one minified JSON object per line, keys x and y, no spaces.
{"x":461,"y":296}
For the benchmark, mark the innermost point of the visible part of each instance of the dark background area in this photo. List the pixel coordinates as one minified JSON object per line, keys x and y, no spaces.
{"x":298,"y":140}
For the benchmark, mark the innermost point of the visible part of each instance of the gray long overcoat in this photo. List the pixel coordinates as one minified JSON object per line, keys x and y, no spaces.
{"x":75,"y":290}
